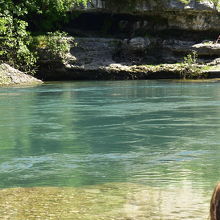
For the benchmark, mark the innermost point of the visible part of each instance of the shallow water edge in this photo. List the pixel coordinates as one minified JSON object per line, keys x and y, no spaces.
{"x":121,"y":201}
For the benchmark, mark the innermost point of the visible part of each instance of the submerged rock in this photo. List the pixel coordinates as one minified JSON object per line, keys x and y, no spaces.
{"x":12,"y":76}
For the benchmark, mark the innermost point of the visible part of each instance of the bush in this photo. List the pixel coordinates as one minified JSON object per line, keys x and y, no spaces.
{"x":53,"y":45}
{"x":189,"y":68}
{"x":14,"y":44}
{"x":191,"y":58}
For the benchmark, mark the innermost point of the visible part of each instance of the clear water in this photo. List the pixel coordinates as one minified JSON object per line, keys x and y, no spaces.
{"x":161,"y":137}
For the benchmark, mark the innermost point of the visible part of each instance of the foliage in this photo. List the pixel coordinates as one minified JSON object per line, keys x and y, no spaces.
{"x":42,"y":15}
{"x":189,"y":67}
{"x":14,"y":44}
{"x":215,"y":3}
{"x":45,"y":15}
{"x":54,"y":44}
{"x":191,"y":58}
{"x":185,"y":1}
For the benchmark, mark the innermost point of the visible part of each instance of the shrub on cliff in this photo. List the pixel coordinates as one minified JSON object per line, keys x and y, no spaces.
{"x":52,"y":46}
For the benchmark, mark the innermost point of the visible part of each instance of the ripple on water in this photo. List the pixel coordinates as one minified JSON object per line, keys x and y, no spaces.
{"x":164,"y":135}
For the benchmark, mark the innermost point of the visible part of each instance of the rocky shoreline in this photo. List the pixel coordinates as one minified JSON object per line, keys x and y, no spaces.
{"x":115,"y":59}
{"x":10,"y":76}
{"x":146,"y":40}
{"x":159,"y":39}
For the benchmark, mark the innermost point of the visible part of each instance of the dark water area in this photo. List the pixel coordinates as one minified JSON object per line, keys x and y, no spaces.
{"x":162,"y":137}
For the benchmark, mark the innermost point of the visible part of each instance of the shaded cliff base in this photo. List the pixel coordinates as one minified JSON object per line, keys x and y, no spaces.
{"x":136,"y":58}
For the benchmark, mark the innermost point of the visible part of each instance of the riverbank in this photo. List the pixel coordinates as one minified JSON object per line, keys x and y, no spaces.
{"x":167,"y":40}
{"x":137,"y":58}
{"x":134,"y":72}
{"x":111,"y":41}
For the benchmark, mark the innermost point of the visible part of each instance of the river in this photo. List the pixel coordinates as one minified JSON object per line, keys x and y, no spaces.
{"x":109,"y":150}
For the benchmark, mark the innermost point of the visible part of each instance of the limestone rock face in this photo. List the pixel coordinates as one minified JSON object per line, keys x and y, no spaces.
{"x":197,"y":15}
{"x":94,"y":51}
{"x":11,"y":76}
{"x":111,"y":38}
{"x":185,"y":47}
{"x":148,"y":5}
{"x":207,"y":49}
{"x":137,"y":44}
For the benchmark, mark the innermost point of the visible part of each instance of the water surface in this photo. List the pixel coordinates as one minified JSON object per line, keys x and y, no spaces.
{"x":149,"y":149}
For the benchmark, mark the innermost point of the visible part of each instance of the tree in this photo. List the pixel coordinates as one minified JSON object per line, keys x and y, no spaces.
{"x":16,"y":16}
{"x":14,"y":38}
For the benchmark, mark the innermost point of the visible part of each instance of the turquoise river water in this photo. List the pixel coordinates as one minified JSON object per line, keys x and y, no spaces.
{"x":122,"y":150}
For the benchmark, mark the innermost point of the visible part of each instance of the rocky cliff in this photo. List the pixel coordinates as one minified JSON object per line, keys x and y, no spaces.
{"x":141,"y":6}
{"x":119,"y":36}
{"x":196,"y":15}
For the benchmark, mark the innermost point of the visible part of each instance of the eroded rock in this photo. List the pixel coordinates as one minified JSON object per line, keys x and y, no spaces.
{"x":207,"y":49}
{"x":137,"y":44}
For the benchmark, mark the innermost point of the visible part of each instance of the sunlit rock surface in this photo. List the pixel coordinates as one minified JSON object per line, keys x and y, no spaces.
{"x":207,"y":49}
{"x":11,"y":76}
{"x":147,"y":5}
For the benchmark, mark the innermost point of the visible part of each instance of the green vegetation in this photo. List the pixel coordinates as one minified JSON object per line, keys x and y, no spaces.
{"x":215,"y":2}
{"x":15,"y":42}
{"x":190,"y":68}
{"x":19,"y":20}
{"x":54,"y":45}
{"x":191,"y":59}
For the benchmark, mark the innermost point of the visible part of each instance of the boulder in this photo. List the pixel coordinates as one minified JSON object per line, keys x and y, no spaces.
{"x":12,"y":76}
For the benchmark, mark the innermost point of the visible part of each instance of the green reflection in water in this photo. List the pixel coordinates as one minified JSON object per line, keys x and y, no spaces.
{"x":82,"y":133}
{"x":121,"y":201}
